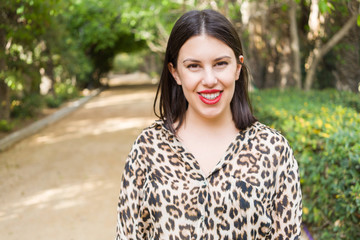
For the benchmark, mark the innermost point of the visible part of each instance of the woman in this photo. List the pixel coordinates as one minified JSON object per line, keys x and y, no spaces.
{"x":207,"y":169}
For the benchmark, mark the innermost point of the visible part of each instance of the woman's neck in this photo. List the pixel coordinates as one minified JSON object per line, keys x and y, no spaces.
{"x":196,"y":123}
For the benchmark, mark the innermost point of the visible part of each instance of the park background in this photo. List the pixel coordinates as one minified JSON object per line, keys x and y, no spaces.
{"x":304,"y":57}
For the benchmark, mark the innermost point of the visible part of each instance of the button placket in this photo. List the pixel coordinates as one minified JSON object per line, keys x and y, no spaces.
{"x":205,"y":186}
{"x":202,"y":222}
{"x":204,"y":183}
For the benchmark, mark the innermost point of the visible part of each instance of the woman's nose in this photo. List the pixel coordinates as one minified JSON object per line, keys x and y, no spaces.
{"x":209,"y":78}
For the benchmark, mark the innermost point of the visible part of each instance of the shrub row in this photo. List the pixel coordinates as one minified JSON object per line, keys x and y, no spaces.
{"x":63,"y":92}
{"x":323,"y":128}
{"x":30,"y":105}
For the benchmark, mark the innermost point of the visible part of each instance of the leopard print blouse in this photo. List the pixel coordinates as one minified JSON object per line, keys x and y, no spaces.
{"x":252,"y":193}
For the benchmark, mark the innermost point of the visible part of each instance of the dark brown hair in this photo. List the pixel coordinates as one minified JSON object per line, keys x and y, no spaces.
{"x":172,"y":102}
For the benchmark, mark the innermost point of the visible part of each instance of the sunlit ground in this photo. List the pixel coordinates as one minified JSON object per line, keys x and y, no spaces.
{"x":63,"y":182}
{"x":121,"y":114}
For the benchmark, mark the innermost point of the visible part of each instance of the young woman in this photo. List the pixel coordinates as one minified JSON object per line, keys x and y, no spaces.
{"x":207,"y":169}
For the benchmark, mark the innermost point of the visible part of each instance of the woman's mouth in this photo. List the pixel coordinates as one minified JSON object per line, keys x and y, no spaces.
{"x":211,"y":96}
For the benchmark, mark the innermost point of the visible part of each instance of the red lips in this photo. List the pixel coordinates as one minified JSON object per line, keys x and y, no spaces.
{"x":210,"y":91}
{"x":210,"y":96}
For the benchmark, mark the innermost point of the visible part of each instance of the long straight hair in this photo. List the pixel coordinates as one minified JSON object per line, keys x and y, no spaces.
{"x":172,"y":102}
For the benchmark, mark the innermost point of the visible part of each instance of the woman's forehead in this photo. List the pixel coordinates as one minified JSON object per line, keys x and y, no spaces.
{"x":203,"y":47}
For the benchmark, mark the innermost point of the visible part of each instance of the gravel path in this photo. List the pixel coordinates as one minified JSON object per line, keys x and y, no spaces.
{"x":63,"y":182}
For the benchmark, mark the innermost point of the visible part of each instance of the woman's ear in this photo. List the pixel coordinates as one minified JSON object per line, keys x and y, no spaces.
{"x":241,"y":59}
{"x":239,"y":66}
{"x":174,"y":73}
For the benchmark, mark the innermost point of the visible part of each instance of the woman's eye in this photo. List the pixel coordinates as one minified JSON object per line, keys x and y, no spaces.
{"x":221,"y":64}
{"x":193,"y":66}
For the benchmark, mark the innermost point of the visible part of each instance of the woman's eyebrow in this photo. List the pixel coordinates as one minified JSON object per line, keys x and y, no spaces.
{"x":195,"y":60}
{"x":191,"y":60}
{"x":219,"y":58}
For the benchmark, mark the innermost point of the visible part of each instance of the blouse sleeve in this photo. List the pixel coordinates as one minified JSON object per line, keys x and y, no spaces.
{"x":288,"y":204}
{"x":129,"y":219}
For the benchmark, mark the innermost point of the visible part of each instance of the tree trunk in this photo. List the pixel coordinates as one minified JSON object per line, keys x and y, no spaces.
{"x":295,"y":46}
{"x":284,"y":65}
{"x":255,"y":12}
{"x":317,"y":54}
{"x":184,"y":6}
{"x":314,"y":21}
{"x":4,"y":89}
{"x":226,"y":9}
{"x":348,"y":70}
{"x":49,"y":71}
{"x":4,"y":100}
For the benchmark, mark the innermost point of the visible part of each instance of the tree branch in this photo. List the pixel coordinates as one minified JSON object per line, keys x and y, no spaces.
{"x":318,"y":53}
{"x":338,"y":36}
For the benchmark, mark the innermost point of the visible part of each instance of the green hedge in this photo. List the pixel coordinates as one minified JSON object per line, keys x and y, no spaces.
{"x":63,"y":92}
{"x":30,"y":106}
{"x":6,"y":126}
{"x":323,"y":128}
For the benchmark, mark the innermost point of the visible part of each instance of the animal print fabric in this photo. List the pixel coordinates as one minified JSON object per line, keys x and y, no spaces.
{"x":252,"y":193}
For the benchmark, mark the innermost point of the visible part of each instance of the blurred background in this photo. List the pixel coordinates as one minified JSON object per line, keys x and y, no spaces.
{"x":304,"y":57}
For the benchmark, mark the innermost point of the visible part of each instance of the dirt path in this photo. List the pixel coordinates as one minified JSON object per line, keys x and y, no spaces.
{"x":62,"y":183}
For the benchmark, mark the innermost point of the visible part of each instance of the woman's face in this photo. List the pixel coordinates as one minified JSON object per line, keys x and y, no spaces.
{"x":207,"y":70}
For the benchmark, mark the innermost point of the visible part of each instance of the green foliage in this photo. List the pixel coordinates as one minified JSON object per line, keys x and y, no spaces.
{"x":326,"y":6}
{"x":12,"y":80}
{"x":128,"y":63}
{"x":27,"y":107}
{"x":99,"y":30}
{"x":152,"y":21}
{"x":53,"y":102}
{"x":6,"y":126}
{"x":323,"y":128}
{"x":63,"y":92}
{"x":22,"y":23}
{"x":66,"y":91}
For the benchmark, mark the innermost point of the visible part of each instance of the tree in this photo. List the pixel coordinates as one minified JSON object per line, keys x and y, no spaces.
{"x":295,"y":45}
{"x":21,"y":23}
{"x":346,"y":70}
{"x":4,"y":88}
{"x":152,"y":21}
{"x":101,"y":31}
{"x":268,"y":42}
{"x":321,"y":49}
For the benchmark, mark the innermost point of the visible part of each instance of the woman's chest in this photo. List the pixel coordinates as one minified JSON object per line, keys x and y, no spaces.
{"x":238,"y":182}
{"x":233,"y":197}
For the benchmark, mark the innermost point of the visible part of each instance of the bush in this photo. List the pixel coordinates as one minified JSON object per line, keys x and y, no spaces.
{"x":31,"y":105}
{"x":323,"y":128}
{"x":6,"y":126}
{"x":27,"y":107}
{"x":53,"y":102}
{"x":66,"y":91}
{"x":63,"y":92}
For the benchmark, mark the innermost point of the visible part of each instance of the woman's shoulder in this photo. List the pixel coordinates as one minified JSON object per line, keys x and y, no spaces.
{"x":271,"y":142}
{"x":153,"y":133}
{"x":259,"y":129}
{"x":265,"y":129}
{"x":151,"y":141}
{"x":269,"y":136}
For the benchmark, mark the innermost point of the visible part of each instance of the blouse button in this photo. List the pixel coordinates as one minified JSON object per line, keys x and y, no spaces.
{"x":202,"y":218}
{"x":204,"y":183}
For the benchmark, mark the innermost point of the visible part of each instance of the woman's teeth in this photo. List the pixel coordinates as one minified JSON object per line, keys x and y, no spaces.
{"x":210,"y":96}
